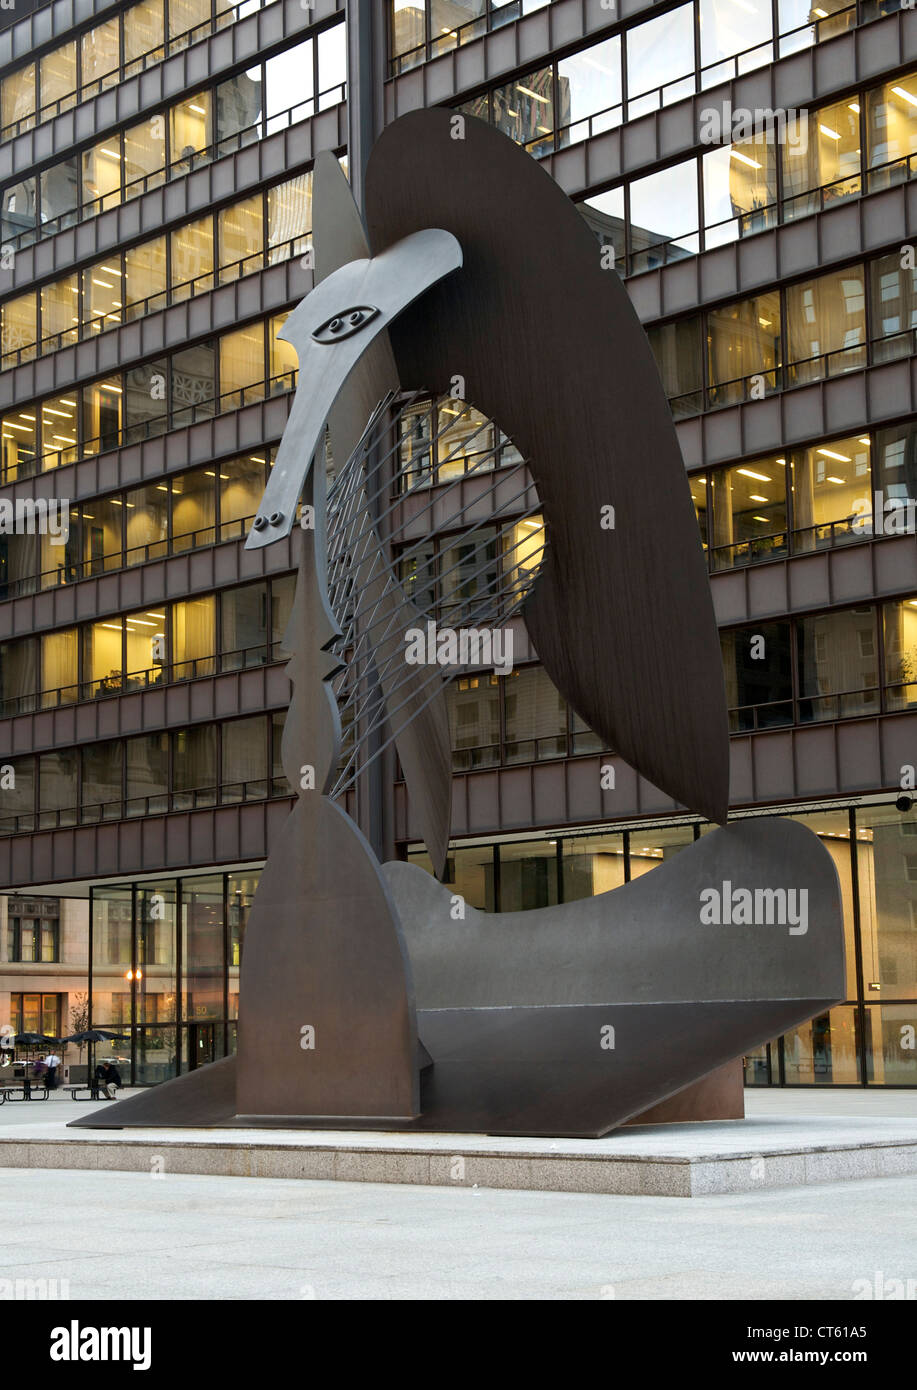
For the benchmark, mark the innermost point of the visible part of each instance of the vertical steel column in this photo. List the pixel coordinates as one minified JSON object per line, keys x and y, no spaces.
{"x":366,"y":37}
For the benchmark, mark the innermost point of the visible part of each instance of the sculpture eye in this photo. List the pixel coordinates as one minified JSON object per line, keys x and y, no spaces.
{"x":347,"y":322}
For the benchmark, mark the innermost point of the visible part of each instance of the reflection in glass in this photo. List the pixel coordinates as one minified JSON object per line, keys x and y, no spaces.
{"x":827,"y":316}
{"x":58,"y":80}
{"x":838,"y":665}
{"x":474,"y":720}
{"x":823,"y":1051}
{"x":18,"y":98}
{"x":659,"y":52}
{"x":535,"y":715}
{"x":740,"y":190}
{"x":147,"y":762}
{"x":524,"y":110}
{"x":101,"y":781}
{"x":589,"y":91}
{"x":100,"y":52}
{"x":663,"y":215}
{"x":19,"y":331}
{"x":592,"y":864}
{"x":202,"y":947}
{"x":193,"y":385}
{"x":757,"y":666}
{"x":727,"y":29}
{"x":528,"y":875}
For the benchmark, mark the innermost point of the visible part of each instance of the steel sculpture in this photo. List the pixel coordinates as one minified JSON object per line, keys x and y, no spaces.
{"x":364,"y":1003}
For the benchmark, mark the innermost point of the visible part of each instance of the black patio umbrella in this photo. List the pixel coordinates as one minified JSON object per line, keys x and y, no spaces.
{"x":33,"y":1039}
{"x":93,"y":1035}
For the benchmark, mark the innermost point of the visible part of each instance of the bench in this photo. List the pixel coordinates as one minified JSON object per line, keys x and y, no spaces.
{"x":90,"y":1087}
{"x":35,"y":1092}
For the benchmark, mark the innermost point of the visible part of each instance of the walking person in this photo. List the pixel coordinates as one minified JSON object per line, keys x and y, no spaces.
{"x":52,"y":1062}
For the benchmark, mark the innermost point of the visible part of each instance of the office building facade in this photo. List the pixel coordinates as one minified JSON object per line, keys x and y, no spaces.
{"x":745,"y":168}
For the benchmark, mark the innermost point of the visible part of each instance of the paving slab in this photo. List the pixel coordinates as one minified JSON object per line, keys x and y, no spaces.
{"x":788,"y":1138}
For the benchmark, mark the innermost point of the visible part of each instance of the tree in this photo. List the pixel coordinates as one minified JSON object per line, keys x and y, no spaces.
{"x":79,"y":1017}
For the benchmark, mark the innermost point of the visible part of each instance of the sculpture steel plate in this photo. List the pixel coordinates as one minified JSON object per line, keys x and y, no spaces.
{"x":365,"y":1000}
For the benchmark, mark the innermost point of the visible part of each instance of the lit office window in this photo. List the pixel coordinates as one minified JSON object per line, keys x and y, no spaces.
{"x":102,"y":404}
{"x":102,"y":176}
{"x":749,"y":512}
{"x":145,"y":156}
{"x":241,"y":483}
{"x":145,"y":282}
{"x":743,"y":339}
{"x":192,"y":259}
{"x":829,"y":481}
{"x":60,"y":313}
{"x":147,"y":522}
{"x":241,"y":238}
{"x":103,"y":295}
{"x":242,"y":366}
{"x":900,"y":623}
{"x":60,"y":667}
{"x":193,"y":637}
{"x":822,"y":165}
{"x":190,"y":131}
{"x":891,"y":131}
{"x":194,"y":512}
{"x":58,"y":421}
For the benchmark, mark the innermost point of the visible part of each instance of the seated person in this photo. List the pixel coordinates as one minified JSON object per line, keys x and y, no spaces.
{"x":107,"y":1078}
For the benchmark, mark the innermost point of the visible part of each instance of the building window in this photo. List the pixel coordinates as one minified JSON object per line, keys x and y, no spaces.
{"x":36,"y":1013}
{"x":33,"y":936}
